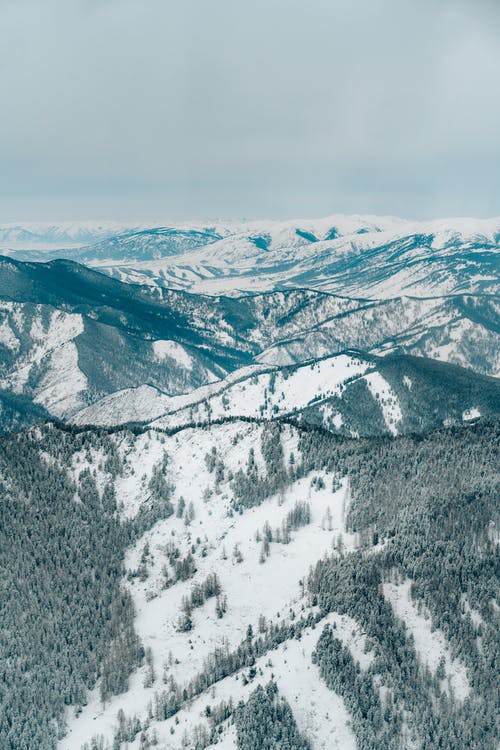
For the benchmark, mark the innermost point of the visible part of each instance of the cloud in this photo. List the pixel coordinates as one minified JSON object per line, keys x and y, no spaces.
{"x":228,"y":107}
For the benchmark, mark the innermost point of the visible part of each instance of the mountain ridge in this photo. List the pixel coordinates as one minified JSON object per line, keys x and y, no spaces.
{"x":404,"y":395}
{"x":375,"y":257}
{"x":70,"y":336}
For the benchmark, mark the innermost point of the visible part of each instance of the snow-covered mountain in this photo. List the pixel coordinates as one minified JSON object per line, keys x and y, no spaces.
{"x":54,"y":236}
{"x":190,"y":568}
{"x":257,"y":520}
{"x":423,"y":261}
{"x":50,"y":237}
{"x":349,"y":393}
{"x":371,"y":257}
{"x":70,"y":336}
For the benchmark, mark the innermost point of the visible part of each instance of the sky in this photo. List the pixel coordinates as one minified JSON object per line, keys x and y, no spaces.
{"x":157,"y":109}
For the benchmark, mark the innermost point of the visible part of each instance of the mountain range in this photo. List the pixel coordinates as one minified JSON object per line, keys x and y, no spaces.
{"x":360,"y":256}
{"x":71,"y":336}
{"x":249,"y":485}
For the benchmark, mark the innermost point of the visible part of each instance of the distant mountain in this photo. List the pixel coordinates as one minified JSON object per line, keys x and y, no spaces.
{"x":369,"y":257}
{"x":136,"y":245}
{"x":70,"y":336}
{"x":34,"y":237}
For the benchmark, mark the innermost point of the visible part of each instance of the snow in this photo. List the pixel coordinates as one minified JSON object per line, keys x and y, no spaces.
{"x":330,"y":416}
{"x":475,"y":616}
{"x":469,"y":414}
{"x":7,"y":335}
{"x":430,"y":644}
{"x":273,"y":392}
{"x":129,"y":405}
{"x":386,"y":399}
{"x":252,"y":588}
{"x":173,"y":350}
{"x":52,"y":350}
{"x":235,"y":264}
{"x":408,"y":382}
{"x":54,"y":235}
{"x":320,"y":713}
{"x":388,"y":258}
{"x":60,"y":387}
{"x":140,"y":458}
{"x":255,"y":391}
{"x":147,"y":403}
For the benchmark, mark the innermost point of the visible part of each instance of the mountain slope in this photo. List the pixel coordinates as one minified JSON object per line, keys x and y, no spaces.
{"x":202,"y":564}
{"x":349,"y":393}
{"x":70,"y":336}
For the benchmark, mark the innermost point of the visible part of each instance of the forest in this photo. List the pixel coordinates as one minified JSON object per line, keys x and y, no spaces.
{"x":423,"y":508}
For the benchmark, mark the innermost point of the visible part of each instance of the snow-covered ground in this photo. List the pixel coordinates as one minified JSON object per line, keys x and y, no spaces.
{"x":387,"y":400}
{"x":255,"y":391}
{"x":275,"y":393}
{"x":51,"y":349}
{"x":320,"y":714}
{"x":173,"y":350}
{"x":389,"y":256}
{"x":263,"y":255}
{"x":254,"y":589}
{"x":430,"y":643}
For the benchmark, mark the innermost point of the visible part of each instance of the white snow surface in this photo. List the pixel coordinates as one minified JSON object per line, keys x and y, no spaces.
{"x":53,"y":351}
{"x":386,"y":399}
{"x":60,"y":387}
{"x":471,"y":413}
{"x":253,"y":588}
{"x":430,"y":644}
{"x":256,"y":391}
{"x":7,"y":336}
{"x":173,"y":350}
{"x":262,"y":255}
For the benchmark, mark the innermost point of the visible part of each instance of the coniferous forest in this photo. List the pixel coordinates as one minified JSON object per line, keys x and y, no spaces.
{"x":422,"y":509}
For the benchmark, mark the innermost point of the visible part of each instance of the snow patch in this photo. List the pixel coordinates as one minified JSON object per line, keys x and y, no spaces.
{"x":271,"y":589}
{"x":430,"y":644}
{"x":8,"y":337}
{"x":387,"y":400}
{"x":470,"y":414}
{"x":166,"y":349}
{"x":60,"y":387}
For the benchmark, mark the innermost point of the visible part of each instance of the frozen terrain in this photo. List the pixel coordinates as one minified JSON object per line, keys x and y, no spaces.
{"x":256,"y":591}
{"x":364,"y":256}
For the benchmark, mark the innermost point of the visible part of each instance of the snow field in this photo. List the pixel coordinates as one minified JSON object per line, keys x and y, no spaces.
{"x":172,"y":350}
{"x":252,"y":588}
{"x":228,"y":266}
{"x":386,"y":399}
{"x":319,"y":712}
{"x":430,"y":644}
{"x":271,"y":394}
{"x":52,"y":347}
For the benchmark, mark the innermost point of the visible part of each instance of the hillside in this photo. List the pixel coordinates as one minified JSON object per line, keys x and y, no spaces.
{"x":350,"y":393}
{"x":200,"y":565}
{"x":70,"y":336}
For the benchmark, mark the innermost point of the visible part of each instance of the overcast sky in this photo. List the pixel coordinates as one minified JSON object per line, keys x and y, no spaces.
{"x":176,"y":108}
